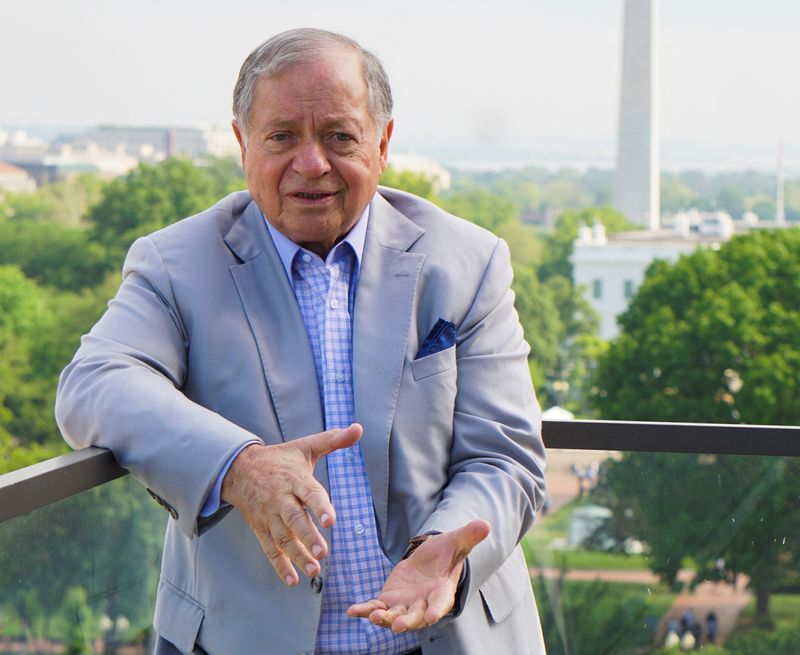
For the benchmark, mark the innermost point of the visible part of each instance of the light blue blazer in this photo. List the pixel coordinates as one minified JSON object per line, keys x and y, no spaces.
{"x":203,"y":349}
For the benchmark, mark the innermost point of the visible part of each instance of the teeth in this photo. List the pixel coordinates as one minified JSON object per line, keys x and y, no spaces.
{"x":312,"y":196}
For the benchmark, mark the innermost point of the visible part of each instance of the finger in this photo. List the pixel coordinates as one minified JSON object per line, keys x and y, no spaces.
{"x":290,"y":547}
{"x":413,"y":619}
{"x":277,"y":558}
{"x":319,"y":445}
{"x":440,"y":603}
{"x":311,"y":547}
{"x":312,"y":496}
{"x":363,"y":610}
{"x":385,"y":618}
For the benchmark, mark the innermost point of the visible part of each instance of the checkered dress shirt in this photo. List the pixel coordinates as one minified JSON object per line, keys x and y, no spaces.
{"x":325,"y":292}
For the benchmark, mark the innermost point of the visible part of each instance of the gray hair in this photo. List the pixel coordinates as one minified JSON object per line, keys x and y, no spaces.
{"x":301,"y":46}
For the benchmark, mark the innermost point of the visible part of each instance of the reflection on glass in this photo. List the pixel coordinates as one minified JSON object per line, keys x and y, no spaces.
{"x":80,"y":576}
{"x":664,"y":553}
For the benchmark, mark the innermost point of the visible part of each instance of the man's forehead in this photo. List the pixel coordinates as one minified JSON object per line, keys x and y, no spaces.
{"x":295,"y":99}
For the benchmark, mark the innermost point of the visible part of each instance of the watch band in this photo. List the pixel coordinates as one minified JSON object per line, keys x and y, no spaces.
{"x":415,"y":543}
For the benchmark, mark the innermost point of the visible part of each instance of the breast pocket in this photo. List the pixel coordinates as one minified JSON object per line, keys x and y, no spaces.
{"x":440,"y":362}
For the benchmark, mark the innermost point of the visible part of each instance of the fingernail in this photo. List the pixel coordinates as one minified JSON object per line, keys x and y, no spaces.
{"x":309,"y":568}
{"x":325,"y":519}
{"x":316,"y":549}
{"x":289,"y":580}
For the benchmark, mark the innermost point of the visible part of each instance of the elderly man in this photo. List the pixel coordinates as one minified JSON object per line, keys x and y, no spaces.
{"x":325,"y":385}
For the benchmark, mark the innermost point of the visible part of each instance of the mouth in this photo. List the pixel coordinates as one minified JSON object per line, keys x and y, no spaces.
{"x":303,"y":195}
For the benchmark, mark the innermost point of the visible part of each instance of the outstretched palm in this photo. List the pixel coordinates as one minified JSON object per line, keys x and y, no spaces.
{"x":421,"y":589}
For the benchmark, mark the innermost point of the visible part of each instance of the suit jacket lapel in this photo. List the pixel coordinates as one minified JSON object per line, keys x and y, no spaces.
{"x":277,"y":326}
{"x":383,"y":313}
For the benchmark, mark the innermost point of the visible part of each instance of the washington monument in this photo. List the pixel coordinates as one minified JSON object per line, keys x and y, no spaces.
{"x":636,"y":185}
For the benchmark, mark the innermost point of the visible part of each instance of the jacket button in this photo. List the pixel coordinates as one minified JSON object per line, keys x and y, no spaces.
{"x":316,"y":584}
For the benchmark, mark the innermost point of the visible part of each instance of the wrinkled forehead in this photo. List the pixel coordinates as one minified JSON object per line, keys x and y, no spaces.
{"x":334,"y":89}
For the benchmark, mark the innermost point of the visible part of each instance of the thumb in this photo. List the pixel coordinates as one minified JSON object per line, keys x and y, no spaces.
{"x":469,"y":536}
{"x":323,"y":443}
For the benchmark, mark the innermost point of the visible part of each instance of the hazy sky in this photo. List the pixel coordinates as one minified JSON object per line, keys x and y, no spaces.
{"x":497,"y":71}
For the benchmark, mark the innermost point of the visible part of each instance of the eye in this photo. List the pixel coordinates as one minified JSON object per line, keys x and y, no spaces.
{"x":279,"y":137}
{"x":341,"y":137}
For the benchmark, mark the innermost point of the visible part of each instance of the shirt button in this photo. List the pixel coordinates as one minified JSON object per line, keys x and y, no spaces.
{"x":307,"y":258}
{"x":334,"y":303}
{"x":316,"y":584}
{"x":340,"y":377}
{"x":358,"y":529}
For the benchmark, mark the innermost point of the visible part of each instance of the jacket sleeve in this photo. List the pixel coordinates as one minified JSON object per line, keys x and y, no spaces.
{"x":122,"y":391}
{"x":497,"y":459}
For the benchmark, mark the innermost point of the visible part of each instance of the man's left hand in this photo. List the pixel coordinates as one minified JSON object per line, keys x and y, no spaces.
{"x":422,"y":588}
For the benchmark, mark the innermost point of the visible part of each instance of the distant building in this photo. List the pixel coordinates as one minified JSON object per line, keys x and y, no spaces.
{"x":15,"y":179}
{"x":611,"y":267}
{"x":153,"y":144}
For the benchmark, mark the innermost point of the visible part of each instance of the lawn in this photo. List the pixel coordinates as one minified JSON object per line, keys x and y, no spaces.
{"x":539,"y":551}
{"x":783,"y":608}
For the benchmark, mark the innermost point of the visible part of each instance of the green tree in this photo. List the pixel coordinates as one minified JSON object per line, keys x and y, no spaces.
{"x":732,"y":201}
{"x":52,"y":254}
{"x":578,"y":348}
{"x":416,"y":183}
{"x":145,"y":200}
{"x":565,"y":193}
{"x":106,"y":541}
{"x":676,"y":195}
{"x":65,"y":202}
{"x":587,"y":618}
{"x":226,"y":175}
{"x":481,"y":207}
{"x":784,"y":640}
{"x":714,"y":337}
{"x":540,"y":320}
{"x":559,"y":244}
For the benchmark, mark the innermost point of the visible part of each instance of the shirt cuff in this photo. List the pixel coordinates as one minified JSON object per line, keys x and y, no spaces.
{"x":213,"y":502}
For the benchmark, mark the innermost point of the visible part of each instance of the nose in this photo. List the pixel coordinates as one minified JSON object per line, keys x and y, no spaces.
{"x":311,"y":160}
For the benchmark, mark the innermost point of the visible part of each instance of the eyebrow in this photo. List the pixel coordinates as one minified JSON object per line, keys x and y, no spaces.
{"x":332,"y":123}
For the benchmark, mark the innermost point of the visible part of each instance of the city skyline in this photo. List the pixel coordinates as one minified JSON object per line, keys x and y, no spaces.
{"x":515,"y":72}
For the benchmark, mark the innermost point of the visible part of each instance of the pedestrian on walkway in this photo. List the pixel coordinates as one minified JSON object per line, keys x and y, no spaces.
{"x":711,"y":627}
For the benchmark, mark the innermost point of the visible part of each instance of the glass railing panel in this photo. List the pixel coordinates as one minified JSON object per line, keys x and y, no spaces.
{"x":79,"y":576}
{"x":632,"y":547}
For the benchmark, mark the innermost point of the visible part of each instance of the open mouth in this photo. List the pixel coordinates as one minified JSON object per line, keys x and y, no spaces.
{"x":312,"y":196}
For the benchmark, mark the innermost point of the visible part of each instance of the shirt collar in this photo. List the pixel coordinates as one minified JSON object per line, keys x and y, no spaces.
{"x":287,"y":248}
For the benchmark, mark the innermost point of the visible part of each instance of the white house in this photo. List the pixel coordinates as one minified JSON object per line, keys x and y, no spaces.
{"x":611,"y":267}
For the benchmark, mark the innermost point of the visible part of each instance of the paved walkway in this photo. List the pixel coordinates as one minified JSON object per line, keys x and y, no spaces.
{"x":726,"y":602}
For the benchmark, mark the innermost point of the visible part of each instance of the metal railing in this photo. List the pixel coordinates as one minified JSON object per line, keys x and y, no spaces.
{"x":32,"y":487}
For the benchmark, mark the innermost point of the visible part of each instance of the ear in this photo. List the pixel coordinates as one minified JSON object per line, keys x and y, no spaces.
{"x":384,"y":144}
{"x":240,"y":138}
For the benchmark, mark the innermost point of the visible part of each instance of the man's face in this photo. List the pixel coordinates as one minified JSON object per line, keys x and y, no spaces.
{"x":313,"y":156}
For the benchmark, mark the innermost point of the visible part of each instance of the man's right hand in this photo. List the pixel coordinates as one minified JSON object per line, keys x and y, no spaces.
{"x":275,"y":490}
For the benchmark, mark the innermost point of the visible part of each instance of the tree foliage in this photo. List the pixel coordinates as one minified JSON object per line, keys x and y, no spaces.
{"x":52,"y":254}
{"x":559,"y":244}
{"x":146,"y":200}
{"x":481,"y":207}
{"x":714,"y":337}
{"x":410,"y":181}
{"x":587,"y":618}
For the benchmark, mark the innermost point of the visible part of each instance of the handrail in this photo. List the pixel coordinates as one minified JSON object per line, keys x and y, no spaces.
{"x":35,"y":486}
